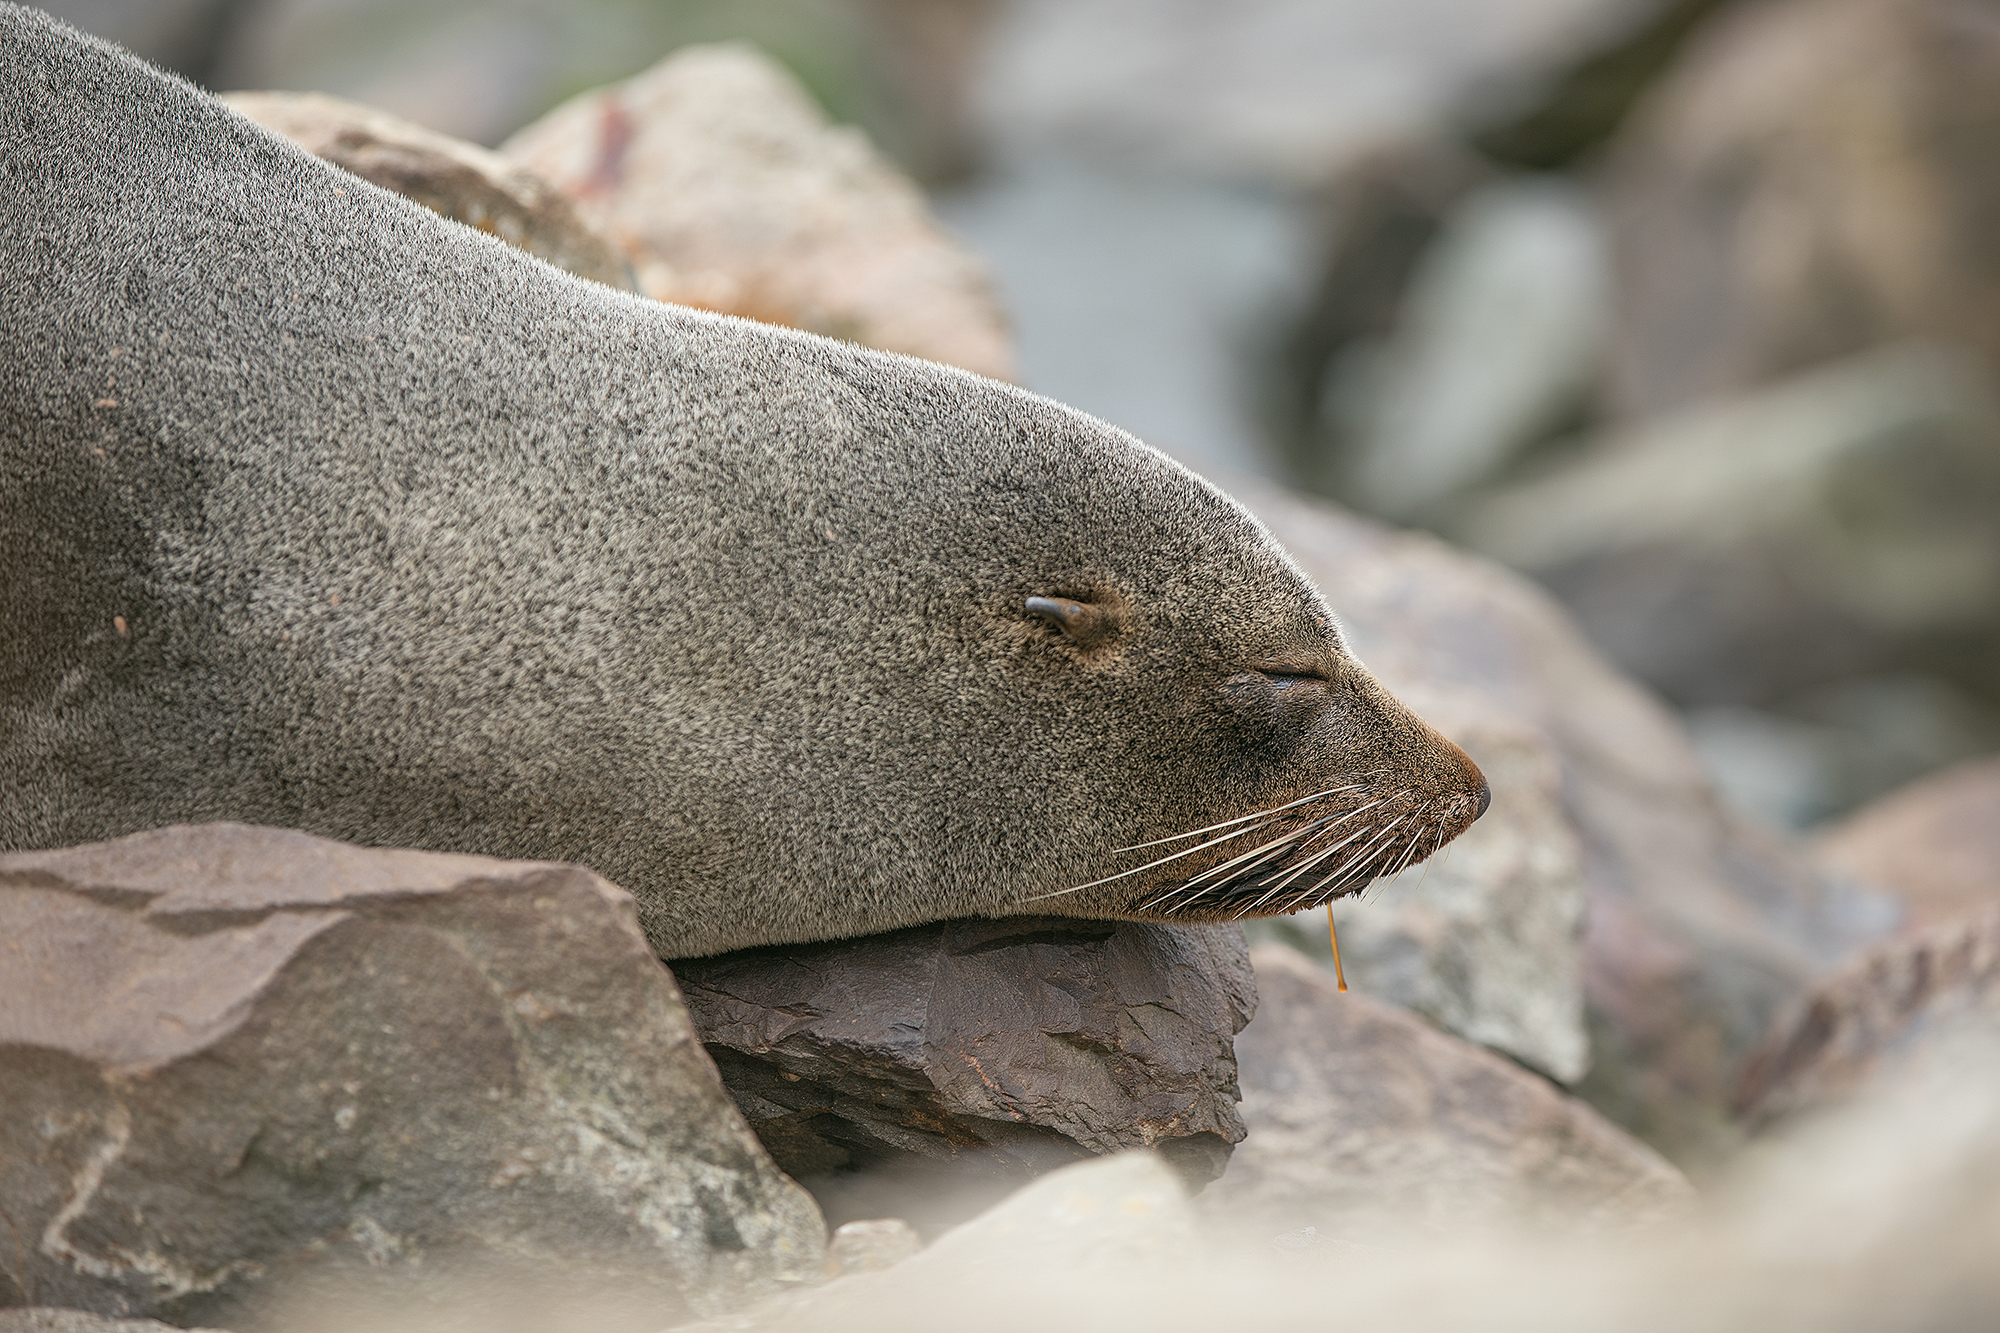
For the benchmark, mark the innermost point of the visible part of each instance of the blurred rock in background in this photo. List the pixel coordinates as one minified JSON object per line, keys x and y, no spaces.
{"x":1934,"y":844}
{"x":1813,"y":179}
{"x":1495,"y":348}
{"x":728,"y":190}
{"x":1753,"y":362}
{"x":1695,"y":930}
{"x":1845,"y":522}
{"x":451,"y":177}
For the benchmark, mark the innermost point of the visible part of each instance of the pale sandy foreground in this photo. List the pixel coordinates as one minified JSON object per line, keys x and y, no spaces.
{"x":1885,"y":1215}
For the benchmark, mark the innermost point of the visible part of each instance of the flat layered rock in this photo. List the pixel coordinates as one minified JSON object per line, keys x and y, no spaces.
{"x":924,"y":1072}
{"x":451,"y":177}
{"x":238,"y":1059}
{"x":728,"y":190}
{"x":1365,"y":1121}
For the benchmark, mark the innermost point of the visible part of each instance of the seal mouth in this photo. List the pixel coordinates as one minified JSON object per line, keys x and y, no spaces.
{"x":1331,"y":844}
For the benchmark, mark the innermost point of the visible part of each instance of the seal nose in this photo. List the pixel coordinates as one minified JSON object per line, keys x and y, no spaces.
{"x":1485,"y":798}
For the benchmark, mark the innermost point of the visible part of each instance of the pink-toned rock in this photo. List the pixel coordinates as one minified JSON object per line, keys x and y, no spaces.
{"x":1867,"y":1022}
{"x":728,"y":190}
{"x":1935,"y":844}
{"x":451,"y":177}
{"x":234,"y":1060}
{"x":1365,"y":1119}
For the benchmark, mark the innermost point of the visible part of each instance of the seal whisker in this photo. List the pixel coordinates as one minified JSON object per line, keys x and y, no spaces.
{"x":1275,"y":846}
{"x":1359,"y":856}
{"x":1126,"y":874}
{"x":1304,"y":867}
{"x":1327,"y":824}
{"x":1240,"y":819}
{"x":1255,"y":856}
{"x":1356,"y":861}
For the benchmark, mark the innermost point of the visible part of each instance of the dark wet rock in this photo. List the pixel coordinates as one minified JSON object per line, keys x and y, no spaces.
{"x":1813,"y":178}
{"x":1865,"y":1025}
{"x":924,"y":1072}
{"x":451,"y":177}
{"x":1365,"y":1121}
{"x":237,"y":1059}
{"x":729,"y":190}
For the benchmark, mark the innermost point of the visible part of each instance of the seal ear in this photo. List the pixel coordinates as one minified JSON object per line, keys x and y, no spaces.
{"x":1084,"y":623}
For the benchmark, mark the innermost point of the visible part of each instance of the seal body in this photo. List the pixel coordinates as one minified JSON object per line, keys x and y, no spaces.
{"x":324,"y":512}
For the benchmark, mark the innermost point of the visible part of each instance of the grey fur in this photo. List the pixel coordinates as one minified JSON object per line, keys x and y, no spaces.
{"x":321,"y":511}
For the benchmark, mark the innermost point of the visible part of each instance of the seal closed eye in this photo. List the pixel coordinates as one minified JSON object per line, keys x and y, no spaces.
{"x":325,"y":512}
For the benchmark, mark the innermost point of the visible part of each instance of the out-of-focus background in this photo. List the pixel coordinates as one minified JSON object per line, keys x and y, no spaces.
{"x":1689,"y":309}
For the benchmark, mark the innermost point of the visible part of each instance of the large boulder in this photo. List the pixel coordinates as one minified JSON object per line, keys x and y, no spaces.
{"x":1366,"y":1121}
{"x":1840,"y":523}
{"x":1697,"y":928}
{"x":1814,"y":177}
{"x":237,"y":1059}
{"x":728,"y":190}
{"x":451,"y":177}
{"x":928,"y":1071}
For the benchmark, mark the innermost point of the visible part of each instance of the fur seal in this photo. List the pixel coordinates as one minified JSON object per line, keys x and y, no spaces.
{"x":325,"y":512}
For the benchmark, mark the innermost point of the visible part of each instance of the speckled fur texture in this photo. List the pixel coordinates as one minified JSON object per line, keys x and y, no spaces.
{"x":321,"y":511}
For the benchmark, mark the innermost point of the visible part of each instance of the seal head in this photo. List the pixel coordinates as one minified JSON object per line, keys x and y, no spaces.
{"x":325,"y":512}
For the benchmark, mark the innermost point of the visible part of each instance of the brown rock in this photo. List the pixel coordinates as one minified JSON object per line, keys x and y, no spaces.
{"x":233,"y":1059}
{"x":1813,"y":178}
{"x":1697,"y":929}
{"x":1363,"y":1117}
{"x":1935,"y":844}
{"x":924,"y":1072}
{"x":459,"y":180}
{"x":729,"y":191}
{"x":1868,"y":1020}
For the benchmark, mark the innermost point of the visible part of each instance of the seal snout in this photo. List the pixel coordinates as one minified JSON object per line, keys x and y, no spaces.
{"x":1485,"y":797}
